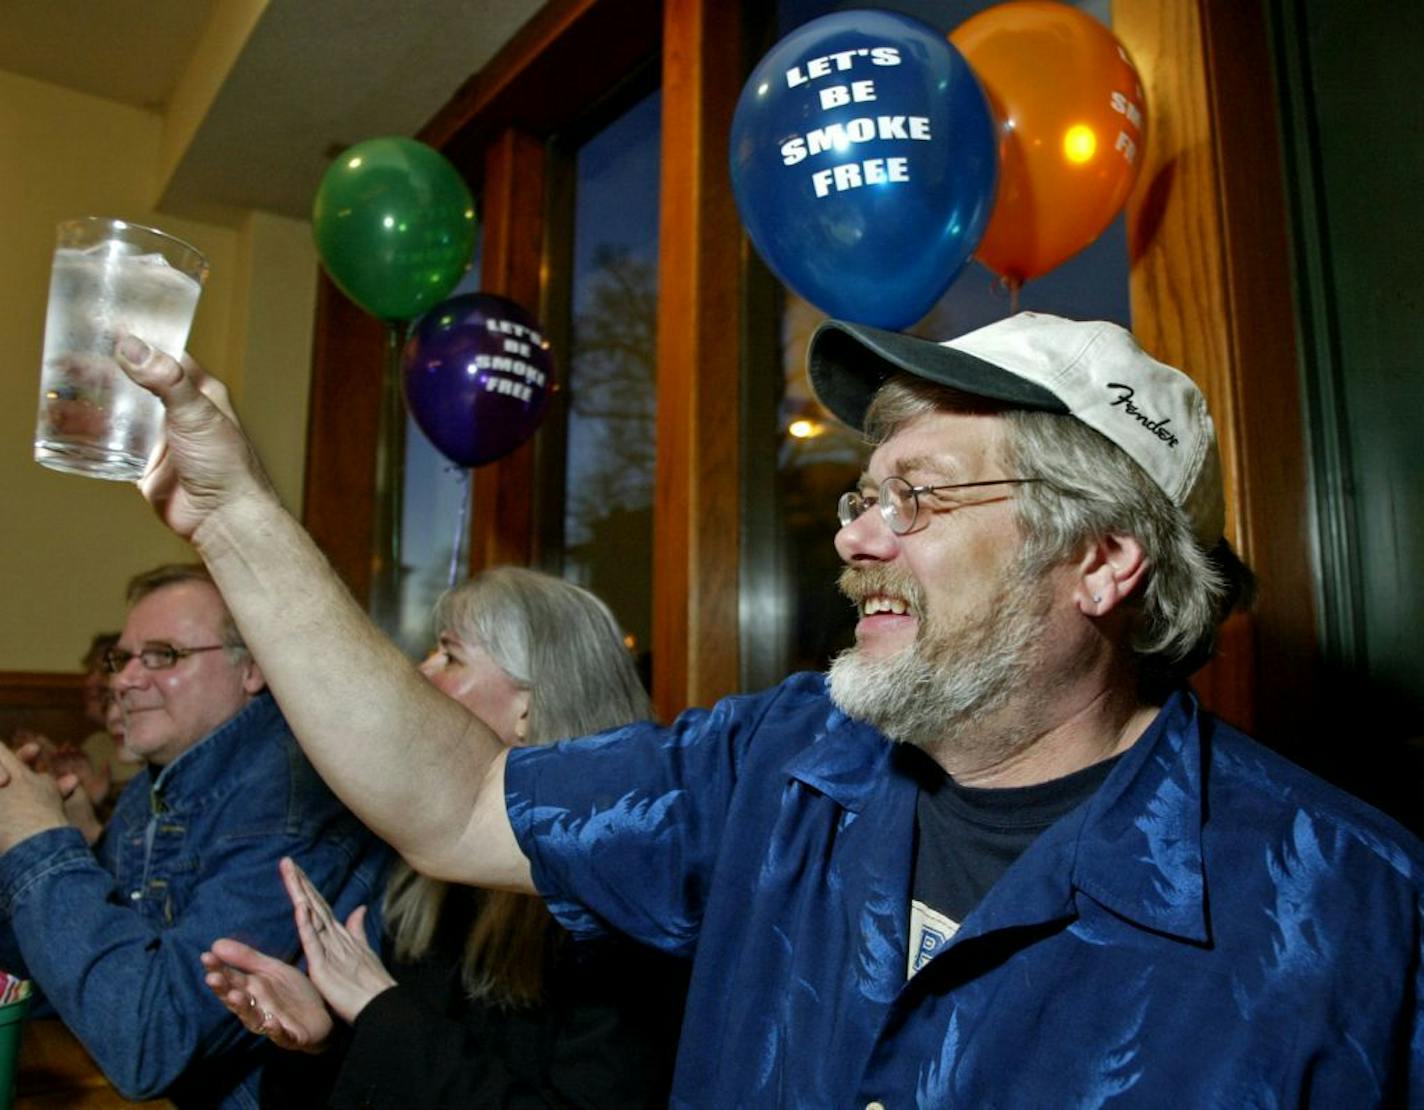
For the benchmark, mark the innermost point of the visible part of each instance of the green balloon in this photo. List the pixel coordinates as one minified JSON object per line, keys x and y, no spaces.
{"x":395,"y":226}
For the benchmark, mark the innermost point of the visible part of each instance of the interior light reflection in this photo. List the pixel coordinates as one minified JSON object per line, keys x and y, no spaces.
{"x":1080,"y":143}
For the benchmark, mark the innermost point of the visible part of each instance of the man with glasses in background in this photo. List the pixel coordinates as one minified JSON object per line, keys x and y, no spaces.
{"x":999,"y":856}
{"x":111,"y":935}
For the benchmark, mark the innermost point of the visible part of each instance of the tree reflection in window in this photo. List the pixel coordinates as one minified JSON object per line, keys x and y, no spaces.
{"x":612,"y":398}
{"x":615,"y":337}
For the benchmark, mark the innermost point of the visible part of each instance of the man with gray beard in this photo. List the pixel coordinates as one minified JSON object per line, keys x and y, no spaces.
{"x":998,"y":857}
{"x":933,"y":693}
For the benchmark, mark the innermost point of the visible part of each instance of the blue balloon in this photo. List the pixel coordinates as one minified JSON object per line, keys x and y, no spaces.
{"x":864,"y":162}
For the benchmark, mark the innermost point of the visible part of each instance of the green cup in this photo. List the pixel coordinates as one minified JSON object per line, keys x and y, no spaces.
{"x":12,"y":1021}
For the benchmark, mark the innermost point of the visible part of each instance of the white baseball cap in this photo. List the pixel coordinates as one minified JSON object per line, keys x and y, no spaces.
{"x":1092,"y":370}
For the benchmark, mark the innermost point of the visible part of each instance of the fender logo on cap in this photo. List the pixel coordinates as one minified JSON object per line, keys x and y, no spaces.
{"x":1157,"y":427}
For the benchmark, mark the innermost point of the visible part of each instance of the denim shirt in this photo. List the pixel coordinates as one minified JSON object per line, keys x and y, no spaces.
{"x":1212,"y":927}
{"x":112,"y":935}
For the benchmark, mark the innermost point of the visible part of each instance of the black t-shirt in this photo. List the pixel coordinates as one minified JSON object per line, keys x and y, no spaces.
{"x":966,"y":837}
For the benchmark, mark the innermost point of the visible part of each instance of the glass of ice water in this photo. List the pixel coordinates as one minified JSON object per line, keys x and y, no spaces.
{"x":110,"y":278}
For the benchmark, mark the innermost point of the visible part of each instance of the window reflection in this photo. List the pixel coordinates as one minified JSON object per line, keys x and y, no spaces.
{"x":434,"y":520}
{"x":812,"y":470}
{"x":611,"y":441}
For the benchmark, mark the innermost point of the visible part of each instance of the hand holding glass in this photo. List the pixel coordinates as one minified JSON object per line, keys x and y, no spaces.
{"x":110,"y":278}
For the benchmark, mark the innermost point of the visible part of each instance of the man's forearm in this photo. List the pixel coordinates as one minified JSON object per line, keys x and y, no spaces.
{"x":407,"y":760}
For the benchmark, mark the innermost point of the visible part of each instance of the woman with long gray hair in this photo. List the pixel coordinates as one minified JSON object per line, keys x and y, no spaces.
{"x":486,"y":1001}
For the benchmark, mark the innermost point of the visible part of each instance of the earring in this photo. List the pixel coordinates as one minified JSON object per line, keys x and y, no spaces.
{"x":1097,"y":599}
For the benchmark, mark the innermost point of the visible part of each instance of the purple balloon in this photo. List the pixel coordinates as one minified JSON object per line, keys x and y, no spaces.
{"x":477,"y":371}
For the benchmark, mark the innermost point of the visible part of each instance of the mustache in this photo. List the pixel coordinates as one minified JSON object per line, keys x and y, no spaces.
{"x":859,"y":582}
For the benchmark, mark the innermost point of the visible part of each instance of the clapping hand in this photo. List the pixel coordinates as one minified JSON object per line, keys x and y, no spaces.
{"x":340,"y":962}
{"x":71,"y":770}
{"x":270,"y":998}
{"x":274,"y":999}
{"x":75,"y":761}
{"x":30,"y":801}
{"x":34,"y":748}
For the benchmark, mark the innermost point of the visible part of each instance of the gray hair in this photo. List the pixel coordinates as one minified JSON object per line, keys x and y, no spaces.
{"x":1090,"y":488}
{"x":562,"y":644}
{"x":556,"y":640}
{"x":175,"y":574}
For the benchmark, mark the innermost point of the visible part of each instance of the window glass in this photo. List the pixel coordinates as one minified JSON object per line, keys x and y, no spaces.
{"x":434,"y":521}
{"x":790,"y":561}
{"x":611,"y":380}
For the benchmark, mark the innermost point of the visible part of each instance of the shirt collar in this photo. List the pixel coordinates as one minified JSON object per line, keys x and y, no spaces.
{"x":845,"y":761}
{"x":1137,"y":844}
{"x":199,"y":769}
{"x":1134,"y":847}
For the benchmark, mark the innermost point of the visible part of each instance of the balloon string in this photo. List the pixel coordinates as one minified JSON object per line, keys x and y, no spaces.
{"x":1015,"y":287}
{"x":458,"y":542}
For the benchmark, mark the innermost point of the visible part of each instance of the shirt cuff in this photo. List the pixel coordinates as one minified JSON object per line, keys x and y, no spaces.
{"x":60,"y":849}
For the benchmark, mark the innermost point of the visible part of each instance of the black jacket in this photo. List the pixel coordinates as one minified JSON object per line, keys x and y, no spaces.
{"x":605,"y":1036}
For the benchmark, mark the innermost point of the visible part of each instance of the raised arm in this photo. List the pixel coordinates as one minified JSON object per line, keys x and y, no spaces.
{"x":414,"y":765}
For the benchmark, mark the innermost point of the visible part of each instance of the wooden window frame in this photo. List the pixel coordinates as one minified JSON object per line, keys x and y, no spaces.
{"x":1210,"y":291}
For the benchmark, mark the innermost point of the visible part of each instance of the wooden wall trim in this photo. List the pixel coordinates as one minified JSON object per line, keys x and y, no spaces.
{"x":344,"y":417}
{"x":50,"y":703}
{"x":1180,"y":308}
{"x":1211,"y":292}
{"x":697,"y":494}
{"x":49,"y":689}
{"x":502,"y":523}
{"x":554,"y":68}
{"x":1276,"y":517}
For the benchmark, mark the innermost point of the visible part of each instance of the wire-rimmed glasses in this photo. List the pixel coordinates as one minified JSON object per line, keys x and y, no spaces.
{"x":899,"y":500}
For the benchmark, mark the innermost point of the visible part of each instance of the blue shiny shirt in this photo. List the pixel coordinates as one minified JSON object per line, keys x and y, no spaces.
{"x":1213,"y":927}
{"x":112,"y":934}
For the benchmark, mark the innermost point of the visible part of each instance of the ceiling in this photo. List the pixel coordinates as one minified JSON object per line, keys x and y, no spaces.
{"x":275,"y":87}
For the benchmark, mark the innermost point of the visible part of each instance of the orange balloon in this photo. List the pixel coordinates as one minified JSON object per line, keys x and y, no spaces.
{"x":1072,"y":127}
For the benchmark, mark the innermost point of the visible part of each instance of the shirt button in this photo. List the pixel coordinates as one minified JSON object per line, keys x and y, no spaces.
{"x":135,"y":895}
{"x":875,"y":1106}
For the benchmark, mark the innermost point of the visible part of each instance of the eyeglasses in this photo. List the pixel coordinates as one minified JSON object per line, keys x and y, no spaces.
{"x":154,"y":657}
{"x":899,"y":501}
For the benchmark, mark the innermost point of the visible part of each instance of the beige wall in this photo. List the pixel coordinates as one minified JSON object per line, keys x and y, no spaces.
{"x":67,"y":544}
